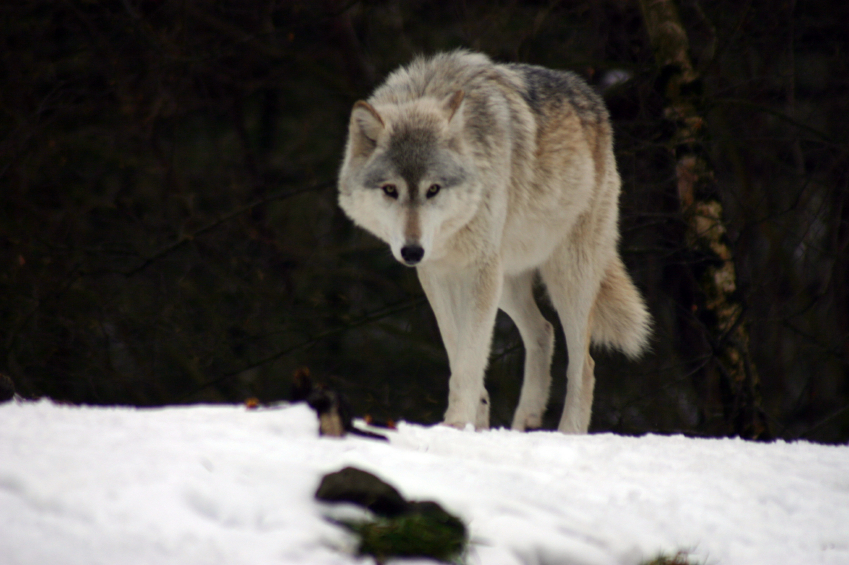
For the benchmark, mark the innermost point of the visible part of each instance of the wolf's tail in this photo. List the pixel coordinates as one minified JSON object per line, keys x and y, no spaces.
{"x":621,"y":319}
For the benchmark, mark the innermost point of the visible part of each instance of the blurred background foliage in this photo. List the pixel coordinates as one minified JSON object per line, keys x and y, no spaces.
{"x":169,"y":230}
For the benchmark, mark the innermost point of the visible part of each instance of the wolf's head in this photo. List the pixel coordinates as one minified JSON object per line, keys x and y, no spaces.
{"x":407,"y":175}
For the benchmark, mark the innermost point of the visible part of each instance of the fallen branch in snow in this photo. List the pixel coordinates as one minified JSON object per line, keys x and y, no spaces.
{"x":333,"y":409}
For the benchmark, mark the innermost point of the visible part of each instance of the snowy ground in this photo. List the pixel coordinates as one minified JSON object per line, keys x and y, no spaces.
{"x":223,"y":484}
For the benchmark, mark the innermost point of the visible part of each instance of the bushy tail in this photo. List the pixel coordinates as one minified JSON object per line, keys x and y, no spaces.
{"x":620,"y":318}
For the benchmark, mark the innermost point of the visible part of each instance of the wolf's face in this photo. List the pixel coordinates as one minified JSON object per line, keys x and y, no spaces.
{"x":407,"y":177}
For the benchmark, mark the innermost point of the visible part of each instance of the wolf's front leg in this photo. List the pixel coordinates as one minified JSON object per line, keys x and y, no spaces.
{"x":465,"y":302}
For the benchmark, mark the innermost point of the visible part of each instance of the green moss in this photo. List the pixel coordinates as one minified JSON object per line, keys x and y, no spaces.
{"x":681,"y":557}
{"x":412,"y":535}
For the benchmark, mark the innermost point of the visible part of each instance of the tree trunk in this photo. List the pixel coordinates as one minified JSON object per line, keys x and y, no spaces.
{"x":719,"y":304}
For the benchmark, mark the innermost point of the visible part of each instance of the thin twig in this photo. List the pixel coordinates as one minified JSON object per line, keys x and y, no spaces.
{"x":185,"y":238}
{"x":365,"y":320}
{"x":836,"y":414}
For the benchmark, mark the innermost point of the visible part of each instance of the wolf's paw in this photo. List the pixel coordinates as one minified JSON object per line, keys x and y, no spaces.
{"x":462,"y":426}
{"x":458,"y":416}
{"x":461,"y":417}
{"x":525,"y":422}
{"x":570,"y":424}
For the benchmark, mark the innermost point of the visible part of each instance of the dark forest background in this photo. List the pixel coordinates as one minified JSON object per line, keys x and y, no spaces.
{"x":169,"y":230}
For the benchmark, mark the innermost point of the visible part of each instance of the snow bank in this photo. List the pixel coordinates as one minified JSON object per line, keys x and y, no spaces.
{"x":222,"y":484}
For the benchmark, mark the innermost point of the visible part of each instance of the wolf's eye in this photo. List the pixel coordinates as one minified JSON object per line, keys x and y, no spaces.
{"x":431,"y":192}
{"x":390,"y":190}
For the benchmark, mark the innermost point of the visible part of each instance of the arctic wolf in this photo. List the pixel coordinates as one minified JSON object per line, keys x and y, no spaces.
{"x":485,"y":176}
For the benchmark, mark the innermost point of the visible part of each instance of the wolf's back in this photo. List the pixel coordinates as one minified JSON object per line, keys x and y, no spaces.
{"x":436,"y":76}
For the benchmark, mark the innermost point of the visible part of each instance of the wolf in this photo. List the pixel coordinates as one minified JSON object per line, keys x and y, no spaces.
{"x":486,"y":177}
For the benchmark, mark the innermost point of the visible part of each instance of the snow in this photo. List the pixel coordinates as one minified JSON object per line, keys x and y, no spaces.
{"x":224,"y":484}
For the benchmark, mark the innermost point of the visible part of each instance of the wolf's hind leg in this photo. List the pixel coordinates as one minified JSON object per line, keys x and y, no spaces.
{"x":573,"y":287}
{"x":517,"y":300}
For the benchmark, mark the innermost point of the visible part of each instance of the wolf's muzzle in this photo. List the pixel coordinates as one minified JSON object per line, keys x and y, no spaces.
{"x":412,"y":253}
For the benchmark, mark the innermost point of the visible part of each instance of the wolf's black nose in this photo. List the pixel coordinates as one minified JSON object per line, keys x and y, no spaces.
{"x":412,"y":253}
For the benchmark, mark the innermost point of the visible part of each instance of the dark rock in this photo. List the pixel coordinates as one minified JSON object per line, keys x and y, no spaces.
{"x":364,"y":489}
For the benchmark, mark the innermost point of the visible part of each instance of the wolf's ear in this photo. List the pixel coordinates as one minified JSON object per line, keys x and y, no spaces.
{"x":365,"y":127}
{"x":452,"y":103}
